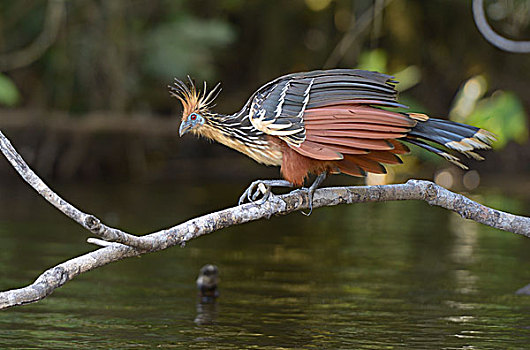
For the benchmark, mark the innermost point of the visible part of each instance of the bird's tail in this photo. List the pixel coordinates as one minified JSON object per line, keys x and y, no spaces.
{"x":455,"y":136}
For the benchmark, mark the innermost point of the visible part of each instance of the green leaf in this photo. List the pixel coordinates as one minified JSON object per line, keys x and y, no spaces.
{"x":9,"y":94}
{"x":504,"y":115}
{"x":373,"y":60}
{"x":376,"y":60}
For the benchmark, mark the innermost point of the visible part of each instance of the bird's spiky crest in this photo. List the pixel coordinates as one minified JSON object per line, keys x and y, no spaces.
{"x":192,"y":99}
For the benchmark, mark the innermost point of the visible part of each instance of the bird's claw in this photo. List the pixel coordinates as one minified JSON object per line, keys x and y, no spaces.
{"x":254,"y":191}
{"x":263,"y":189}
{"x":310,"y":193}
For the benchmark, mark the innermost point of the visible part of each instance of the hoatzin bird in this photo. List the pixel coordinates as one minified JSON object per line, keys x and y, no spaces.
{"x":323,"y":122}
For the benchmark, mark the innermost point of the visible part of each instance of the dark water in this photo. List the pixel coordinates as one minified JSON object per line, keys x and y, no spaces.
{"x":374,"y":276}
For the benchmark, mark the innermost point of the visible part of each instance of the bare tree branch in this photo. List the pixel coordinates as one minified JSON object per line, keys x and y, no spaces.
{"x":490,"y":35}
{"x":88,"y":221}
{"x":296,"y":200}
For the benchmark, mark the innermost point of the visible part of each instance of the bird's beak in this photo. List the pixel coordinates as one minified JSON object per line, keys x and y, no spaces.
{"x":184,"y":128}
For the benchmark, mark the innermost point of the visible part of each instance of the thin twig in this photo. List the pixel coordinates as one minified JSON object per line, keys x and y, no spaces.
{"x":490,"y":35}
{"x":54,"y":17}
{"x":90,"y":222}
{"x":356,"y":28}
{"x":296,"y":200}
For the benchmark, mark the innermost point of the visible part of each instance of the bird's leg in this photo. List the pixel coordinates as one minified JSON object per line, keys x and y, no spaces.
{"x":311,"y":190}
{"x":263,"y":188}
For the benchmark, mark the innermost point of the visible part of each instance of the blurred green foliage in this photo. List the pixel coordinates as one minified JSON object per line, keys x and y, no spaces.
{"x":172,"y":48}
{"x":120,"y":55}
{"x":9,"y":95}
{"x":375,"y":60}
{"x":502,"y":112}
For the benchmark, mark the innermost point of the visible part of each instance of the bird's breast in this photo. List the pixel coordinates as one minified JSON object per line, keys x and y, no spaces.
{"x":263,"y":148}
{"x":268,"y":154}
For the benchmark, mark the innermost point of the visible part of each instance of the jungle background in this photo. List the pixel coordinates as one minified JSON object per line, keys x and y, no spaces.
{"x":83,"y":87}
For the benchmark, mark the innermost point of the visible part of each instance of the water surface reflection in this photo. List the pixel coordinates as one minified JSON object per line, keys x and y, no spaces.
{"x":377,"y":275}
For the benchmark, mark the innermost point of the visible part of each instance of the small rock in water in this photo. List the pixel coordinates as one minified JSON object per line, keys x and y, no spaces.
{"x":207,"y":283}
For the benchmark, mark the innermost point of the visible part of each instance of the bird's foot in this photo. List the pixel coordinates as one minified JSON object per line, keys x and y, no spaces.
{"x":311,"y":191}
{"x":261,"y":188}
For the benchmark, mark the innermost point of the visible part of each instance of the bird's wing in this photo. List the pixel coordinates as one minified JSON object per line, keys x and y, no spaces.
{"x":359,"y":135}
{"x":330,"y":116}
{"x":279,"y":107}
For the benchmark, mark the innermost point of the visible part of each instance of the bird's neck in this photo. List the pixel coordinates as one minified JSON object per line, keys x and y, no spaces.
{"x":224,"y":128}
{"x":237,"y":132}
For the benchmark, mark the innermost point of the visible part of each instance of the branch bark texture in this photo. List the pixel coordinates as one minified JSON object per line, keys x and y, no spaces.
{"x":123,"y":245}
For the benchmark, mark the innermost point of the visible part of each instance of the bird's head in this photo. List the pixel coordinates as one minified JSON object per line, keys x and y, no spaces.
{"x":195,"y":105}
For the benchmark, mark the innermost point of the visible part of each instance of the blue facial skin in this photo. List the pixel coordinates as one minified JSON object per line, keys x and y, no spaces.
{"x":194,"y":120}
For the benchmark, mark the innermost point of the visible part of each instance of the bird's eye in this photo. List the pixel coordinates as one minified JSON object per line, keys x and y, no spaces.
{"x":193,"y":116}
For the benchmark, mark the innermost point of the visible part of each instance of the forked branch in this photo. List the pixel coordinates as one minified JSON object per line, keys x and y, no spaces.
{"x":119,"y":245}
